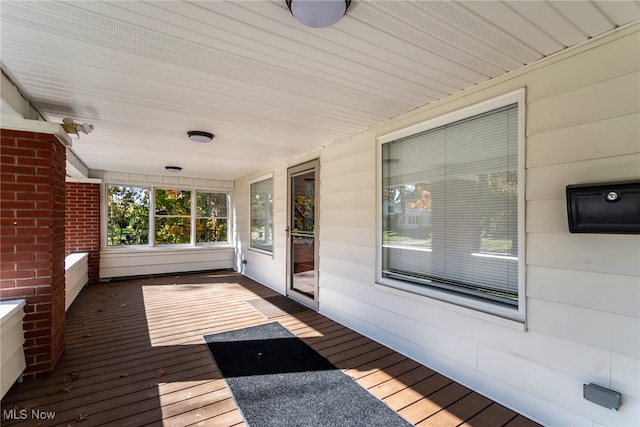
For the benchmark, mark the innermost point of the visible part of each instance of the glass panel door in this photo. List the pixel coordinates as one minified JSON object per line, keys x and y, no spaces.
{"x":302,"y":242}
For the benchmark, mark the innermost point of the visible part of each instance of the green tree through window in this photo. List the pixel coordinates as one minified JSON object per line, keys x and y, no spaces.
{"x":172,"y":217}
{"x":128,"y":215}
{"x":211,"y":217}
{"x":128,"y":212}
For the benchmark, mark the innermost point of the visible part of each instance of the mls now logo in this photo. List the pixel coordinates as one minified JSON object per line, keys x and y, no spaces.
{"x":24,"y":414}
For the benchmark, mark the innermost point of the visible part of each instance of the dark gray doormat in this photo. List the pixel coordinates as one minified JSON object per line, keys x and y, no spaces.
{"x":276,"y":306}
{"x":278,"y":380}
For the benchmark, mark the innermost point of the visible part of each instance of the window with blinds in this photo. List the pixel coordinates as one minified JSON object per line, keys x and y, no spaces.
{"x":450,"y":208}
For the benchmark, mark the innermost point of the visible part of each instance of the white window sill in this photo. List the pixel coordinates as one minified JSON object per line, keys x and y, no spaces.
{"x":164,"y":248}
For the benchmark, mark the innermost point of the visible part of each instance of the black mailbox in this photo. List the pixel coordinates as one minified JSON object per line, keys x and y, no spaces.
{"x":612,"y":208}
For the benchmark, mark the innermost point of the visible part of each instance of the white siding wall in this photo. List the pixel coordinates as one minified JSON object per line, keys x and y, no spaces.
{"x":583,"y":291}
{"x":263,"y":268}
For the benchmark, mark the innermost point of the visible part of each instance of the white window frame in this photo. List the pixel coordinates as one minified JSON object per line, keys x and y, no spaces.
{"x":152,"y":218}
{"x":104,"y":215}
{"x":255,"y":181}
{"x":519,"y":314}
{"x":151,"y":245}
{"x":194,"y":218}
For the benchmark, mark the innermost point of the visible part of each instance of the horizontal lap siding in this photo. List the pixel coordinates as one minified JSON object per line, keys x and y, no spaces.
{"x":124,"y":263}
{"x":583,"y":292}
{"x":268,"y":269}
{"x":585,"y":288}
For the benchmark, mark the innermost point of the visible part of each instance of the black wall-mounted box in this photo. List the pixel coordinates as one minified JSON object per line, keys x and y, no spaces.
{"x":612,"y":208}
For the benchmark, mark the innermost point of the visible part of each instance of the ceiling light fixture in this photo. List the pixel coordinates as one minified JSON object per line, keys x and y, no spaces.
{"x":200,"y":136}
{"x":173,"y":168}
{"x":318,"y":13}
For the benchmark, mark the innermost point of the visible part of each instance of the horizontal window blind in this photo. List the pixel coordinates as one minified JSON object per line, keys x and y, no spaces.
{"x":450,"y":207}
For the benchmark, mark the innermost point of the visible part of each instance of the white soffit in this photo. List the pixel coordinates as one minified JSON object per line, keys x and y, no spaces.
{"x":270,"y":89}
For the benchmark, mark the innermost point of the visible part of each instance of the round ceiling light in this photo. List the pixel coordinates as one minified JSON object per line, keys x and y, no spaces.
{"x":200,"y":136}
{"x":318,"y":13}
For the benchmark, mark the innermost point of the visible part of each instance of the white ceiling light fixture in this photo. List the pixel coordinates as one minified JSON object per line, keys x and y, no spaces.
{"x":318,"y":13}
{"x":200,"y":136}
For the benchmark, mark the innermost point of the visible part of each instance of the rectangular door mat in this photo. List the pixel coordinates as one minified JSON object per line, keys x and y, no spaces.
{"x":278,"y":380}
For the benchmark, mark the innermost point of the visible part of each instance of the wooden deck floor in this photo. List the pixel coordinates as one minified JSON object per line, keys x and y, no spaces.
{"x":135,"y":356}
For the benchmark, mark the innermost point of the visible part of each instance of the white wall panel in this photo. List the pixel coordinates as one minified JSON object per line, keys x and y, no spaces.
{"x":549,"y":182}
{"x":123,"y":263}
{"x":358,"y":199}
{"x":76,"y":276}
{"x":357,"y":253}
{"x":346,"y":179}
{"x":607,"y":292}
{"x":601,"y":100}
{"x":611,"y":137}
{"x":346,"y":161}
{"x":599,"y":253}
{"x":350,"y":217}
{"x":12,"y":359}
{"x":364,"y":236}
{"x":621,"y":57}
{"x":335,"y":266}
{"x":547,"y":216}
{"x":614,"y":332}
{"x":268,"y":269}
{"x":625,"y":375}
{"x":556,"y":354}
{"x":554,"y":386}
{"x":459,"y":349}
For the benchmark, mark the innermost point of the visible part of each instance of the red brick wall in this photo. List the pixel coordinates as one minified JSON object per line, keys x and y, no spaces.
{"x":32,"y":211}
{"x":82,"y":224}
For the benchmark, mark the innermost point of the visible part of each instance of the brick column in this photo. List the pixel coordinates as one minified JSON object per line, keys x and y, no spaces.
{"x":82,"y":224}
{"x":32,"y":210}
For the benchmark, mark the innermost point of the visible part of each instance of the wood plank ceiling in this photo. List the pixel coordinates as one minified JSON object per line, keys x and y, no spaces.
{"x":144,"y":73}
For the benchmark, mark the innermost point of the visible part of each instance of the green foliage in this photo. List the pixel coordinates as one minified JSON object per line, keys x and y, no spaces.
{"x":498,"y":212}
{"x":211,"y":205}
{"x":172,"y":217}
{"x":304,"y":212}
{"x":211,"y":222}
{"x":173,"y":202}
{"x":127,"y":215}
{"x":261,"y":213}
{"x":208,"y":230}
{"x":495,"y":216}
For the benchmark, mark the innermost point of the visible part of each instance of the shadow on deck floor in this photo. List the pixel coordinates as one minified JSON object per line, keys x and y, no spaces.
{"x":135,"y":356}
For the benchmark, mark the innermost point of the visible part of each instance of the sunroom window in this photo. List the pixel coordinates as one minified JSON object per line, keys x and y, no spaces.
{"x":172,"y":216}
{"x":211,"y":217}
{"x":127,"y":215}
{"x":166,"y":214}
{"x":451,"y":211}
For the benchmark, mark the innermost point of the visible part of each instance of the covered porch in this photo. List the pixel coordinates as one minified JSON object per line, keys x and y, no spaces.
{"x":135,"y":356}
{"x":433,"y":143}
